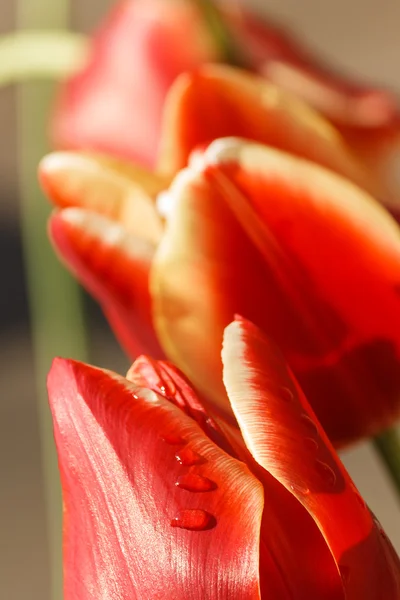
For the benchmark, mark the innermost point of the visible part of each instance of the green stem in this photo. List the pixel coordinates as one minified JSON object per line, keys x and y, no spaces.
{"x":387,"y":445}
{"x":229,"y":50}
{"x":55,"y":304}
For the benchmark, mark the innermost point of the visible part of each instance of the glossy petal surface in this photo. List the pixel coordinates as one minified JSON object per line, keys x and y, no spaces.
{"x":114,"y":105}
{"x":130,"y":531}
{"x":113,"y":266}
{"x":119,"y":191}
{"x":283,"y":435}
{"x":302,"y":253}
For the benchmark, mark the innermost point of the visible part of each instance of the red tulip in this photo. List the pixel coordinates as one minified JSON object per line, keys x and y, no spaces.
{"x":304,"y":254}
{"x":311,"y":259}
{"x":163,"y":501}
{"x":115,"y":103}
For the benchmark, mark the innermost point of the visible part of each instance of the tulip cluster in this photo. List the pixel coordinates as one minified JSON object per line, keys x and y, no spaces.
{"x":258,"y":193}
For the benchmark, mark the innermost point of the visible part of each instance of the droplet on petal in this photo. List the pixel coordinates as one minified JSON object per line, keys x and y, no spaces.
{"x":283,"y":393}
{"x":192,"y":482}
{"x":311,"y":444}
{"x":194,"y":520}
{"x":173,"y":439}
{"x":188,"y":457}
{"x":310,"y":425}
{"x":326,"y":473}
{"x":299,"y":488}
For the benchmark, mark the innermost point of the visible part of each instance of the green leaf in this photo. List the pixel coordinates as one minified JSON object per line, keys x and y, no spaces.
{"x":52,"y":54}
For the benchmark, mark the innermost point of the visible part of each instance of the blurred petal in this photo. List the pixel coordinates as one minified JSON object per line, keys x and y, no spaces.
{"x":219,"y":101}
{"x":277,"y":54}
{"x":379,"y":150}
{"x":114,"y":105}
{"x":283,"y":435}
{"x":131,"y":529}
{"x":113,"y":266}
{"x":119,"y":191}
{"x":303,"y":254}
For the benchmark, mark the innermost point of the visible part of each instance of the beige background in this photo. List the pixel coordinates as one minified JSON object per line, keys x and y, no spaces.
{"x":362,"y":37}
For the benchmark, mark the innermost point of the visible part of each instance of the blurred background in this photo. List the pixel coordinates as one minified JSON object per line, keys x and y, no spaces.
{"x":360,"y":36}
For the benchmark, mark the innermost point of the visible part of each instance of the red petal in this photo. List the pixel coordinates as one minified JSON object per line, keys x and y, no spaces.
{"x":114,"y":105}
{"x":336,"y":254}
{"x":283,"y":435}
{"x":130,"y":531}
{"x":114,"y":267}
{"x":277,"y":54}
{"x":306,"y":256}
{"x":218,"y":101}
{"x":122,"y":192}
{"x":301,"y":570}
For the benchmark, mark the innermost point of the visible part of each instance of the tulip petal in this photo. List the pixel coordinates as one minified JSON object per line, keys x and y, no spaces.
{"x":303,"y":570}
{"x":114,"y":104}
{"x":114,"y":267}
{"x":218,"y":101}
{"x":130,"y":531}
{"x":306,"y":256}
{"x":119,"y":191}
{"x":283,"y":435}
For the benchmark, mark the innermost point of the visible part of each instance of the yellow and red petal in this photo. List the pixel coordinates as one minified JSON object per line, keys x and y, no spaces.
{"x":114,"y":267}
{"x":119,"y":191}
{"x":304,"y":254}
{"x":218,"y":101}
{"x":114,"y":104}
{"x":132,"y":528}
{"x":284,"y":437}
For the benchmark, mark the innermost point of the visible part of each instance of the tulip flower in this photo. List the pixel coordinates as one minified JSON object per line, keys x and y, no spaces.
{"x":115,"y":103}
{"x":304,"y":254}
{"x":164,"y":501}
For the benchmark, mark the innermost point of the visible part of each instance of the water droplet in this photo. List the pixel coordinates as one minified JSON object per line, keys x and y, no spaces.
{"x":188,"y":457}
{"x":194,"y":520}
{"x":195,"y":483}
{"x":311,"y":444}
{"x":326,"y":473}
{"x":299,"y":488}
{"x":284,"y":393}
{"x":173,"y":439}
{"x":167,"y":387}
{"x":345,"y":573}
{"x":309,"y":424}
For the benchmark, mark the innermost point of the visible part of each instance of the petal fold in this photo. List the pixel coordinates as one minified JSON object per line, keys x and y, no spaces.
{"x":119,"y":191}
{"x":284,"y":436}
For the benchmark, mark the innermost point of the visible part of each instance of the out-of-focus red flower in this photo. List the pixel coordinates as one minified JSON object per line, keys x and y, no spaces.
{"x":115,"y":103}
{"x":163,"y":500}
